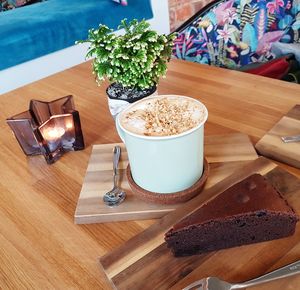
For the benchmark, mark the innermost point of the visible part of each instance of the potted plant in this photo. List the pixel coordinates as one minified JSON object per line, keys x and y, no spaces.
{"x":132,"y":62}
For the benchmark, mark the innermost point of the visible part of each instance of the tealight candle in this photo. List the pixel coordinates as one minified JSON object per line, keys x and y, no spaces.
{"x":52,"y":135}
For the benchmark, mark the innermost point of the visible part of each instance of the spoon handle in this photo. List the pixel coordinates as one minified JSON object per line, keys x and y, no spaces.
{"x":116,"y":158}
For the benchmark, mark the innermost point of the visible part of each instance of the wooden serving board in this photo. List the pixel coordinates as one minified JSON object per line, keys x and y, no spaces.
{"x":224,"y":153}
{"x":271,"y":144}
{"x":144,"y":262}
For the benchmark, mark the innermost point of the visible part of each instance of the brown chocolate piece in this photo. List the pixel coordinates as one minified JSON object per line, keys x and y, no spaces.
{"x":250,"y":211}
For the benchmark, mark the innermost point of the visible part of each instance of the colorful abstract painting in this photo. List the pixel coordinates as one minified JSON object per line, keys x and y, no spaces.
{"x":235,"y":33}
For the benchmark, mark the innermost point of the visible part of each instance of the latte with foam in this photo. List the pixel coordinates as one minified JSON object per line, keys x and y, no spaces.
{"x":163,"y":116}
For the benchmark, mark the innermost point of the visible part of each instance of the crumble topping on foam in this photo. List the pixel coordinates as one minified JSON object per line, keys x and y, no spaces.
{"x":165,"y":116}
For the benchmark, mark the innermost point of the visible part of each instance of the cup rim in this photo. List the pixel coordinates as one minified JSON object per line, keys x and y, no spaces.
{"x":163,"y":137}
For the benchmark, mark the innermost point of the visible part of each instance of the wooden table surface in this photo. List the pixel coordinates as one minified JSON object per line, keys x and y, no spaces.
{"x":40,"y":246}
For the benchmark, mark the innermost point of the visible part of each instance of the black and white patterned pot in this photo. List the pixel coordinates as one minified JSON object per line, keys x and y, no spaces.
{"x":117,"y":102}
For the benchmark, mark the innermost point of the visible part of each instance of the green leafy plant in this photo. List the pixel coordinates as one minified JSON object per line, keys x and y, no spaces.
{"x":135,"y":59}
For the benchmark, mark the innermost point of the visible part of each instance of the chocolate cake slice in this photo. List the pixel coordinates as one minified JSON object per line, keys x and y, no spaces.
{"x":250,"y":211}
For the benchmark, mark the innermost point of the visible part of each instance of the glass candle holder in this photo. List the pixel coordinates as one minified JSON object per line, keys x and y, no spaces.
{"x":48,"y":128}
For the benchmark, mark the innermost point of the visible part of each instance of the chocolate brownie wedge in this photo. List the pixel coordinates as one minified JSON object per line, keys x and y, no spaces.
{"x":250,"y":211}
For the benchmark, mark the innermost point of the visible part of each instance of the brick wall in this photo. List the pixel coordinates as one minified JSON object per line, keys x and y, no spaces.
{"x":182,"y":10}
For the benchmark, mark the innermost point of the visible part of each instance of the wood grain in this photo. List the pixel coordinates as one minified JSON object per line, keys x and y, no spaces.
{"x":225,"y":153}
{"x":42,"y":248}
{"x":271,"y":145}
{"x":133,"y":265}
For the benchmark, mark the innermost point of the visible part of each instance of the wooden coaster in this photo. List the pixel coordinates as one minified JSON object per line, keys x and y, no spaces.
{"x":168,"y":198}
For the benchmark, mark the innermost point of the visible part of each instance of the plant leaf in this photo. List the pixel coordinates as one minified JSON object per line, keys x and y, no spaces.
{"x":249,"y":36}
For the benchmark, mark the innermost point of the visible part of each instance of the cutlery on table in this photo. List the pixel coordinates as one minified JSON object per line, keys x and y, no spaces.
{"x":289,"y":139}
{"x":214,"y":283}
{"x":115,"y":196}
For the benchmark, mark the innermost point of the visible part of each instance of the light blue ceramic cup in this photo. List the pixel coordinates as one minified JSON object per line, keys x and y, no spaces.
{"x":165,"y":164}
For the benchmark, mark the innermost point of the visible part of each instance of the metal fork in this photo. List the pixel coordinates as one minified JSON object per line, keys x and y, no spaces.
{"x":115,"y":196}
{"x":214,"y":283}
{"x":289,"y":139}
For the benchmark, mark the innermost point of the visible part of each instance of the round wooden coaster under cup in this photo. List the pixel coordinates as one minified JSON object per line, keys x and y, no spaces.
{"x":168,"y":198}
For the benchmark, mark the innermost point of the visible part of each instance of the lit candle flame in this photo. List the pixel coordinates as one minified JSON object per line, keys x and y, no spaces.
{"x":69,"y":125}
{"x":53,"y":133}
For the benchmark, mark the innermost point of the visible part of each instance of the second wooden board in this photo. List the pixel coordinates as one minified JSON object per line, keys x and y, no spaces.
{"x":271,"y":145}
{"x":145,"y":262}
